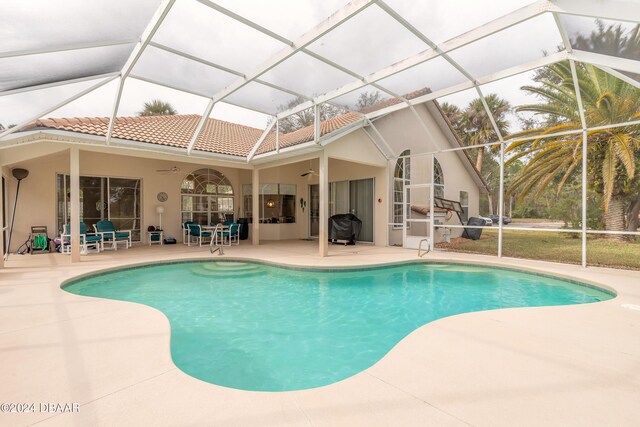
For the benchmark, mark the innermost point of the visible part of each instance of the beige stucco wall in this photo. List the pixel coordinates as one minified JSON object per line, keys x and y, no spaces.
{"x":37,"y":203}
{"x":351,"y":157}
{"x":340,"y":170}
{"x":287,"y":174}
{"x":403,"y":131}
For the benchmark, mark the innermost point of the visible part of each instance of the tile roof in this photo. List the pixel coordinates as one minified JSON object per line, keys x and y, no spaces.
{"x":217,"y":136}
{"x":305,"y":134}
{"x":393,"y":101}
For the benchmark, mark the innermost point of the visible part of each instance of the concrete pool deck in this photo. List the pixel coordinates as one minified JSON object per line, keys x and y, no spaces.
{"x":566,"y":365}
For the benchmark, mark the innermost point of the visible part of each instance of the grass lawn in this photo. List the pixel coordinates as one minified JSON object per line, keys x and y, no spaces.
{"x":549,"y":246}
{"x":528,"y":220}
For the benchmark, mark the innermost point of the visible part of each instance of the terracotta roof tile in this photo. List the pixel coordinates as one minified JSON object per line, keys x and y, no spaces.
{"x":306,"y":134}
{"x":175,"y":131}
{"x":227,"y":138}
{"x":217,"y":136}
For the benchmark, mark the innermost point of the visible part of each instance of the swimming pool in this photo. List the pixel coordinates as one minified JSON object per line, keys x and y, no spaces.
{"x":261,"y":327}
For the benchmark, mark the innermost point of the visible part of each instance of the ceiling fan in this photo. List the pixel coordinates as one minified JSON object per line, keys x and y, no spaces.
{"x":310,"y":172}
{"x":173,"y":169}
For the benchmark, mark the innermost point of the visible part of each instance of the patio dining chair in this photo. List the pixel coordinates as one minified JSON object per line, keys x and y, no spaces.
{"x":185,"y":231}
{"x":230,"y":235}
{"x":195,"y":232}
{"x":111,"y":236}
{"x":87,"y":240}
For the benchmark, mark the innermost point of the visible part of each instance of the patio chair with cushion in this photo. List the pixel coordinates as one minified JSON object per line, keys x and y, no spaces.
{"x":230,"y":234}
{"x":111,"y":236}
{"x":196,"y":233}
{"x":87,"y":240}
{"x":185,"y":231}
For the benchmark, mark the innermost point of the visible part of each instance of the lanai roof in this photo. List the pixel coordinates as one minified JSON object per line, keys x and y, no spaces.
{"x":267,"y":60}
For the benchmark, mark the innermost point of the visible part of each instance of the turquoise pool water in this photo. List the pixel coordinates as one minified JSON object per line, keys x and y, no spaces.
{"x":257,"y":327}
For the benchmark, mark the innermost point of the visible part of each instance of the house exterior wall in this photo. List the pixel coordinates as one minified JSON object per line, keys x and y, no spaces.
{"x":340,"y":170}
{"x":287,"y":174}
{"x":402,"y":130}
{"x":37,"y":199}
{"x":37,"y":203}
{"x":356,"y":147}
{"x":352,"y":156}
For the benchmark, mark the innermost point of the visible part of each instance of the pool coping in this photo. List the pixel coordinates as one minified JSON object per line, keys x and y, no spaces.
{"x":142,"y":265}
{"x":458,"y":370}
{"x":134,"y":266}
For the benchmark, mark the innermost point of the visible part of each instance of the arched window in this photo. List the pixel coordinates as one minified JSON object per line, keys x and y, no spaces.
{"x":207,"y":197}
{"x":438,"y":179}
{"x":401,"y":177}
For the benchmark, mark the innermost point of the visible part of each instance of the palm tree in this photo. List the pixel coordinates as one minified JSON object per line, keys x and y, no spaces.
{"x":612,"y":153}
{"x":454,"y":114}
{"x":474,"y":126}
{"x":612,"y":39}
{"x":478,"y":126}
{"x":157,"y":107}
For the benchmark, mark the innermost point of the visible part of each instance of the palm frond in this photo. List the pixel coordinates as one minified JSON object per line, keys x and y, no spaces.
{"x":608,"y":174}
{"x":623,"y":146}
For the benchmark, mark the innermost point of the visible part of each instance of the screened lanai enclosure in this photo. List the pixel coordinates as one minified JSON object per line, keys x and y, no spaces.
{"x":520,"y":109}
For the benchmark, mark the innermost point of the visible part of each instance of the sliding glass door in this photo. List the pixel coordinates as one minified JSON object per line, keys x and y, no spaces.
{"x":115,"y":199}
{"x":361,"y":205}
{"x":355,"y":197}
{"x":314,"y":210}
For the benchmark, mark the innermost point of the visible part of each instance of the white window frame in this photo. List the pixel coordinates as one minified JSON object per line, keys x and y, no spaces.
{"x":403,"y":181}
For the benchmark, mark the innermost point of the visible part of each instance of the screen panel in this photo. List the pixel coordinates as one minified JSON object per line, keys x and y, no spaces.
{"x":262,"y":98}
{"x":20,"y":107}
{"x":198,"y":30}
{"x":25,"y":71}
{"x":434,"y":74}
{"x":306,"y":75}
{"x":276,"y":16}
{"x":522,"y":43}
{"x":441,"y":20}
{"x":182,"y":73}
{"x":604,"y":36}
{"x":52,"y":24}
{"x":368,"y":42}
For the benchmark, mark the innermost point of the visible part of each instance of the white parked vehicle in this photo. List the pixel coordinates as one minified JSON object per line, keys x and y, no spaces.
{"x":487,"y":220}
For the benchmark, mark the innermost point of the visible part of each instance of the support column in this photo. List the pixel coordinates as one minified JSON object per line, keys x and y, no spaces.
{"x":432,"y":200}
{"x":323,"y":235}
{"x":255,"y":207}
{"x":584,"y":198}
{"x":501,"y":200}
{"x":74,"y":166}
{"x":6,"y":220}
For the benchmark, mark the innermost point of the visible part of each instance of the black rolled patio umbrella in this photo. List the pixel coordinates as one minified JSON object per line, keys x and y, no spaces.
{"x":18,"y":174}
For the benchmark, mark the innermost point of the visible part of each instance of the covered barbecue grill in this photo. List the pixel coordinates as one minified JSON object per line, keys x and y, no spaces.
{"x":344,"y":227}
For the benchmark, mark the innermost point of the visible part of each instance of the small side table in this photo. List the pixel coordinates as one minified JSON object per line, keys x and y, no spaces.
{"x":155,"y":237}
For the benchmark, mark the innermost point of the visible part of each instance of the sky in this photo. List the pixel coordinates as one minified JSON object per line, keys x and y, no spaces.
{"x":368,"y":42}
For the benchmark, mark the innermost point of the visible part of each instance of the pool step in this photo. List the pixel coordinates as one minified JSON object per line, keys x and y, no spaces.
{"x":226,"y":270}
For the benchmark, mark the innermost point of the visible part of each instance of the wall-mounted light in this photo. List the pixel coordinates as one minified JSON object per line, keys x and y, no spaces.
{"x":270,"y":203}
